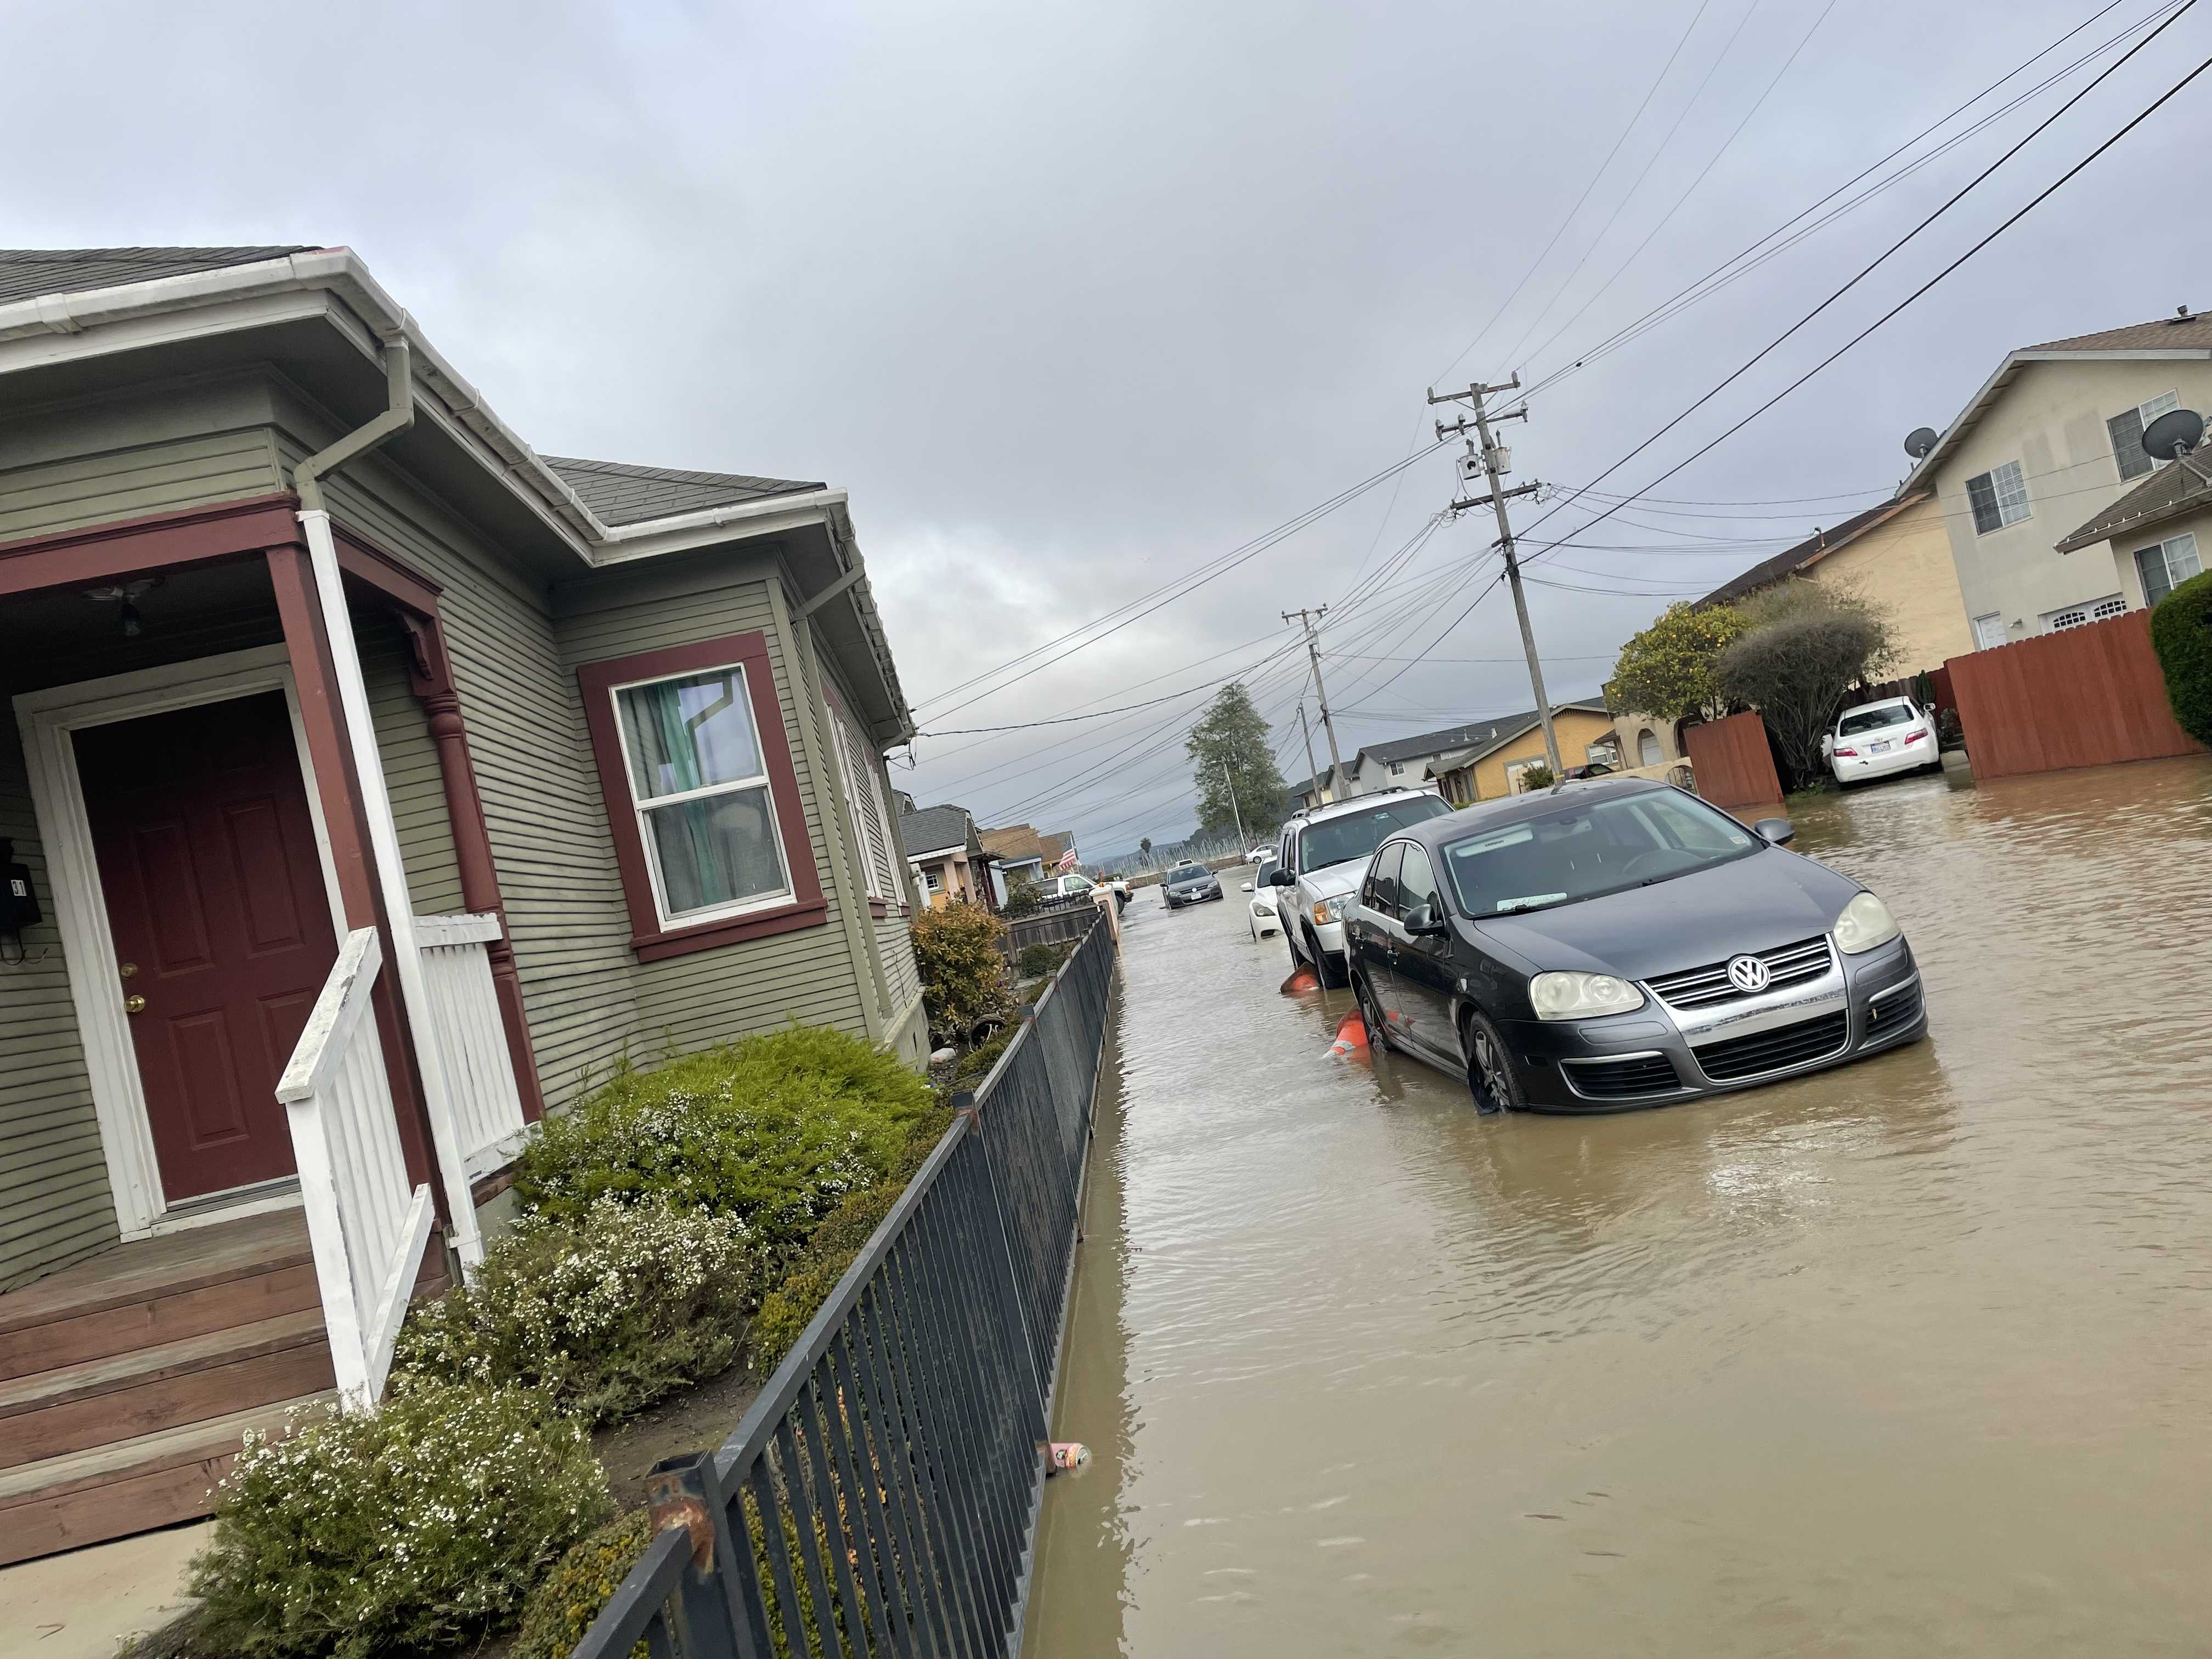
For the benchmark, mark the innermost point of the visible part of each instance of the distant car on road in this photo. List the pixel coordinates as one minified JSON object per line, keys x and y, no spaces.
{"x":1322,"y":856}
{"x":1619,"y":942}
{"x":1189,"y":884}
{"x":1877,"y":739}
{"x":1261,"y":913}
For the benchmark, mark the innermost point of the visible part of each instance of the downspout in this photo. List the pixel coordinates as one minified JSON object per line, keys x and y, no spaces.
{"x":376,"y":797}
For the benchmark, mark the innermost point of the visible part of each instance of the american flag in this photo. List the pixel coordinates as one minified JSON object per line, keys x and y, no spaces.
{"x":1067,"y":862}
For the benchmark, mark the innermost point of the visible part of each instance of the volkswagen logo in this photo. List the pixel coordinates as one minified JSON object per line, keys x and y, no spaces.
{"x":1748,"y":975}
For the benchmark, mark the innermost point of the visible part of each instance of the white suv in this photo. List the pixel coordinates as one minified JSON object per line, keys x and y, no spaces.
{"x":1324,"y":854}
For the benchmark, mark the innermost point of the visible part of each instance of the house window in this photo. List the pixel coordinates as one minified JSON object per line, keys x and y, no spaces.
{"x":1648,"y":752}
{"x":933,"y":878}
{"x":702,"y":800}
{"x":701,"y":794}
{"x":1989,"y":631}
{"x":2167,"y":566}
{"x":1999,"y":497}
{"x":2080,"y":615}
{"x":1606,"y":752}
{"x":2127,"y":430}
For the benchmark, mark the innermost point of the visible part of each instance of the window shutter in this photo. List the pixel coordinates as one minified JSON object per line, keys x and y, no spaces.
{"x":871,"y":833}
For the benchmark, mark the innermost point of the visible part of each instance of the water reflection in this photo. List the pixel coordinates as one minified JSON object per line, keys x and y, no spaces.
{"x":1907,"y":1355}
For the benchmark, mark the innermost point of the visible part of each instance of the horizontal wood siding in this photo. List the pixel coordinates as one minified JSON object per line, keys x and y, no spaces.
{"x":134,"y":481}
{"x":541,"y":796}
{"x":808,"y":975}
{"x":411,"y":770}
{"x":55,"y":1204}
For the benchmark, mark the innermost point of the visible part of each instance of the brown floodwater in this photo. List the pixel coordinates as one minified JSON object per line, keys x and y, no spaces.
{"x":1913,"y":1357}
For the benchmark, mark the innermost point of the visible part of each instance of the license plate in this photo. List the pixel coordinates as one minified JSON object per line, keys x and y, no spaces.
{"x":1881,"y":749}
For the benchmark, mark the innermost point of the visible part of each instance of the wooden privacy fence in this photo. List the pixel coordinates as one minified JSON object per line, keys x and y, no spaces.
{"x":1733,"y":765}
{"x":2084,"y":696}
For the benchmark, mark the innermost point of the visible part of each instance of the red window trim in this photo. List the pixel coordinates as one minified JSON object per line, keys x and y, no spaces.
{"x":653,"y":942}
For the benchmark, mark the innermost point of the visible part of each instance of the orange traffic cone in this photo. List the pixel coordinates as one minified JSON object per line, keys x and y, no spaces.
{"x":1350,"y":1035}
{"x":1302,"y":980}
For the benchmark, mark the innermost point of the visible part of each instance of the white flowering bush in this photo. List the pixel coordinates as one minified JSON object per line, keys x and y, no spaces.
{"x":775,"y":1130}
{"x":414,"y":1527}
{"x":605,"y":1313}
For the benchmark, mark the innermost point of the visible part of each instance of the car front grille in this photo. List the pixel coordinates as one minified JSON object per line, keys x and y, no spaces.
{"x":1894,"y":1009}
{"x":1774,"y":1050}
{"x":1623,"y":1080}
{"x":1710,"y":987}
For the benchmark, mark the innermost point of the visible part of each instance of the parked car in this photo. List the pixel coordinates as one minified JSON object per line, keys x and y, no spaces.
{"x":1876,"y":739}
{"x":1260,"y":908}
{"x":1076,"y":884}
{"x":1321,"y":857}
{"x":1619,"y":942}
{"x":1189,"y":884}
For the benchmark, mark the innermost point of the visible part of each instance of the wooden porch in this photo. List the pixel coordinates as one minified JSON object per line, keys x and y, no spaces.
{"x":127,"y":1380}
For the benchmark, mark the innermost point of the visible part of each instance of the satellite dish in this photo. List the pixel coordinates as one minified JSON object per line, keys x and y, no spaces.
{"x":2175,"y":433}
{"x":1919,"y":442}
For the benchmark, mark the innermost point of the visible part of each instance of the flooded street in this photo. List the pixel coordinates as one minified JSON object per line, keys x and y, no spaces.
{"x":1912,"y":1357}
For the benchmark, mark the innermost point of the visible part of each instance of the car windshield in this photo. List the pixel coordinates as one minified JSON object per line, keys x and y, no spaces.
{"x":1357,"y":834}
{"x":1184,"y":878}
{"x":1593,"y":847}
{"x":1873,"y":719}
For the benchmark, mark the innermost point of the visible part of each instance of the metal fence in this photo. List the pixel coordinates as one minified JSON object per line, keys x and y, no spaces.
{"x":881,"y":1496}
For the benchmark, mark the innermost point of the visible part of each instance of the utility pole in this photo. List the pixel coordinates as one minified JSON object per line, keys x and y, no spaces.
{"x":1243,"y":842}
{"x":1495,"y":461}
{"x":1306,"y":619}
{"x":1313,"y":772}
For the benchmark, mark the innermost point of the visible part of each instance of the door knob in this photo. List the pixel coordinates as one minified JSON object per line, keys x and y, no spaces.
{"x":133,"y":1004}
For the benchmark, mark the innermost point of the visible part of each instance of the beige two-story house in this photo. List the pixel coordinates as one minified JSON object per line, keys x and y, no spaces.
{"x":2050,"y":439}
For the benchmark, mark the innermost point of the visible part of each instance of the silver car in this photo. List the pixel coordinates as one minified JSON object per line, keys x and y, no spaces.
{"x":1323,"y":859}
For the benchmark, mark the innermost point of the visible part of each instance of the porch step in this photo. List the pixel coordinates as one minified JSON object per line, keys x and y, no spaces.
{"x":128,"y":1487}
{"x":157,"y":1291}
{"x":194,"y":1379}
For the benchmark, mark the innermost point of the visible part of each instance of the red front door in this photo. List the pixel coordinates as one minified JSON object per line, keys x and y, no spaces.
{"x":215,"y":898}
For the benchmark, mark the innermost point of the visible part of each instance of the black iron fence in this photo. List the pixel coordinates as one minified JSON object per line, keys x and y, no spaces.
{"x":880,"y":1496}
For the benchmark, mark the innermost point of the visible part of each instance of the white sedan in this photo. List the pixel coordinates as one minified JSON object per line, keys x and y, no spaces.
{"x":1878,"y":739}
{"x":1260,"y":913}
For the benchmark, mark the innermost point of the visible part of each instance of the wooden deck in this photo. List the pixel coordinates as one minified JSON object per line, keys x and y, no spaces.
{"x":127,"y":1380}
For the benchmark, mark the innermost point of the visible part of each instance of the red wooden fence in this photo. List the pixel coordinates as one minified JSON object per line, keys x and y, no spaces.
{"x":2081,"y":697}
{"x":1735,"y":766}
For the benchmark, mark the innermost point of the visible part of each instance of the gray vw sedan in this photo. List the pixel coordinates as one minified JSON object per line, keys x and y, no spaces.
{"x":1618,"y":942}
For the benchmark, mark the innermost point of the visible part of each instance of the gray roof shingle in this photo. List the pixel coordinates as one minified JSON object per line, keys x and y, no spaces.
{"x":621,"y":494}
{"x":2176,"y":488}
{"x":2163,"y":333}
{"x":934,"y":829}
{"x":29,"y":273}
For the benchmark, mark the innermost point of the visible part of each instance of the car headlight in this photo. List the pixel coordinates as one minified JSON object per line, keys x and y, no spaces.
{"x":1581,"y":996}
{"x":1865,"y":923}
{"x":1332,"y":909}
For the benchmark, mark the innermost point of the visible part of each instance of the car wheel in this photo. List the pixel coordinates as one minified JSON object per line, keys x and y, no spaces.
{"x":1371,"y":1012}
{"x":1491,"y":1075}
{"x":1331,"y":975}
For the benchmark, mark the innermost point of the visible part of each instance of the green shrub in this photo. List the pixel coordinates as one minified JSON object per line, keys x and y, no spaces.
{"x":606,"y":1315}
{"x":774,"y":1130}
{"x":416,"y":1526}
{"x":561,"y":1608}
{"x":2181,"y":631}
{"x":979,"y":1059}
{"x":1022,"y":898}
{"x":956,"y":950}
{"x":1038,"y":961}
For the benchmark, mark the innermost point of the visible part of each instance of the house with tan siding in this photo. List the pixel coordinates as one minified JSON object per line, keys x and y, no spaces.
{"x":380,"y":785}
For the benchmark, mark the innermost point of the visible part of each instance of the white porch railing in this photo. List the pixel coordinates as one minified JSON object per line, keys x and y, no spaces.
{"x":366,"y":1228}
{"x":465,"y":1024}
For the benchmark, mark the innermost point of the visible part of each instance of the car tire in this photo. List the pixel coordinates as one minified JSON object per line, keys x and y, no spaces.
{"x":1493,"y":1077}
{"x":1331,"y":976}
{"x":1370,"y":1013}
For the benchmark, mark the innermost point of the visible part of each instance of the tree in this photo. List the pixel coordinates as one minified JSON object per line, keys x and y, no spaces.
{"x":1228,"y":746}
{"x":2181,"y":633}
{"x":1668,"y":669}
{"x":956,"y":950}
{"x":1804,"y":646}
{"x":1144,"y":847}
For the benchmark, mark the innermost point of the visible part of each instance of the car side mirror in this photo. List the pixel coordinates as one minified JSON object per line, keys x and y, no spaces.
{"x":1774,"y":831}
{"x":1246,"y":888}
{"x":1280,"y":877}
{"x":1422,"y":922}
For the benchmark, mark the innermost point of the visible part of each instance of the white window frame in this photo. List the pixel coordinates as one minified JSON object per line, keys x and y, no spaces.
{"x":2007,"y":494}
{"x":2080,"y":615}
{"x":640,"y":806}
{"x":2164,"y":551}
{"x":2145,"y":413}
{"x":933,"y":878}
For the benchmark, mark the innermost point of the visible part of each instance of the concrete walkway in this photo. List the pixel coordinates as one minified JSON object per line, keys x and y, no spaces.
{"x":87,"y":1603}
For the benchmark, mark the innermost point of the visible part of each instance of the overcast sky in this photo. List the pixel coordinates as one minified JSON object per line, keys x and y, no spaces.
{"x":1075,"y":300}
